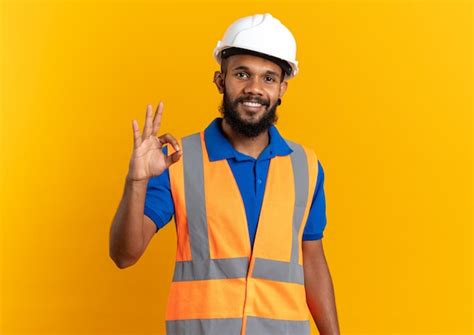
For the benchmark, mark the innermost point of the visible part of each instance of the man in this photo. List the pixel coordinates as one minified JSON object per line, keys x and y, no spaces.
{"x":248,"y":205}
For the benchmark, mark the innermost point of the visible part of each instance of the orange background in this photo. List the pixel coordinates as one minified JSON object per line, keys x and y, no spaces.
{"x":384,"y":97}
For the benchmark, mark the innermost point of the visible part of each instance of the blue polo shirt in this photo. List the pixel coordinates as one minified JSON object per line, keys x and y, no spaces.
{"x":250,"y":175}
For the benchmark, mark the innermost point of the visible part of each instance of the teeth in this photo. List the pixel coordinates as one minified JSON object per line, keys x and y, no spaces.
{"x":252,"y":104}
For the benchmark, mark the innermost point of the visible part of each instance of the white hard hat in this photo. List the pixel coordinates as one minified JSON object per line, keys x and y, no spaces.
{"x":262,"y":35}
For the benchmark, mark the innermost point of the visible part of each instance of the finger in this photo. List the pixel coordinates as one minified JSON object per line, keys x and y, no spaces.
{"x":171,"y":159}
{"x":136,"y":134}
{"x":148,"y":123}
{"x":168,"y":138}
{"x":157,"y":120}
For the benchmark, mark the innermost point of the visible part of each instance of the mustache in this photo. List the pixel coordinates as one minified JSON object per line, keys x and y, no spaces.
{"x":252,"y":99}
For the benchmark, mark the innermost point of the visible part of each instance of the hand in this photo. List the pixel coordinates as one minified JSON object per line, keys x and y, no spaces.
{"x":148,"y":159}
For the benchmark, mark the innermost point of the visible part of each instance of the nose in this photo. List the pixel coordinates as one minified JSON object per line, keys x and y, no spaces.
{"x":253,"y":86}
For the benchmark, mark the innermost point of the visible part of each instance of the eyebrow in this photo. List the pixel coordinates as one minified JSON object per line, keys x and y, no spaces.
{"x":242,"y":67}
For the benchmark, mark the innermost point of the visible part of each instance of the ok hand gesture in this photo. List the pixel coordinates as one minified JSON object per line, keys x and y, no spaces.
{"x":147,"y":158}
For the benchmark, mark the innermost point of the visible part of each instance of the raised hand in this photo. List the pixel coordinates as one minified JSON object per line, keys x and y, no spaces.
{"x":147,"y":158}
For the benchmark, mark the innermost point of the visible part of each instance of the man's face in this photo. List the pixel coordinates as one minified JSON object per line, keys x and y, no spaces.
{"x":251,"y":89}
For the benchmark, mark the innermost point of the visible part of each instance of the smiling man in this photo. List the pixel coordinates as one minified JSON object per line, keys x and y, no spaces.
{"x":257,"y":104}
{"x":248,"y":204}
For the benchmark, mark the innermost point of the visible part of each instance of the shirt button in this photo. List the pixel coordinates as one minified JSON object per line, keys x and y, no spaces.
{"x":259,"y":181}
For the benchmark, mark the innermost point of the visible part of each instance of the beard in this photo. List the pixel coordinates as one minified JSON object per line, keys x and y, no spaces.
{"x":229,"y":112}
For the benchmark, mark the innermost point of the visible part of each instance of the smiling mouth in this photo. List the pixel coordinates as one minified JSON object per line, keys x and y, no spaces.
{"x":252,"y":107}
{"x":252,"y":104}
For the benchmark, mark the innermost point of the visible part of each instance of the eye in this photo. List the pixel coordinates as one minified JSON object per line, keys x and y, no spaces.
{"x":269,"y":79}
{"x":242,"y":75}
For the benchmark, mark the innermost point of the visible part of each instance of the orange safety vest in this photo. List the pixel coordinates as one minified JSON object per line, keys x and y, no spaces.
{"x":220,"y":286}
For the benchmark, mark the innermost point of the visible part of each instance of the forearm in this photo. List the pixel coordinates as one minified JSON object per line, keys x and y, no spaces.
{"x":320,"y":298}
{"x":126,"y":231}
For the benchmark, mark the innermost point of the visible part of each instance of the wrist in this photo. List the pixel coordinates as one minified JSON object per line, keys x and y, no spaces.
{"x":139,"y":182}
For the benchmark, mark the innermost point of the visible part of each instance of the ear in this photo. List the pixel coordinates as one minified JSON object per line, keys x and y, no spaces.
{"x":219,"y":81}
{"x":283,"y":87}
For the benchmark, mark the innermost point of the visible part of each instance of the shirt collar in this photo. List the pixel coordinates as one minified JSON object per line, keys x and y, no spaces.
{"x":219,"y":147}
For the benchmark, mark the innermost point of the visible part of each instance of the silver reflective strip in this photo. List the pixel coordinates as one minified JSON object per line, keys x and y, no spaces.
{"x":194,"y":195}
{"x":211,"y":269}
{"x":230,"y":326}
{"x":290,"y":271}
{"x":266,"y":326}
{"x":278,"y":270}
{"x":301,"y":179}
{"x":201,"y":266}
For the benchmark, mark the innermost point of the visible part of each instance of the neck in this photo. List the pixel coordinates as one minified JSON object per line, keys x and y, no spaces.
{"x":248,"y":146}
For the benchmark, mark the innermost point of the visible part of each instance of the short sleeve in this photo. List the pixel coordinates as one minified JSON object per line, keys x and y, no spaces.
{"x":317,"y":214}
{"x":159,"y":205}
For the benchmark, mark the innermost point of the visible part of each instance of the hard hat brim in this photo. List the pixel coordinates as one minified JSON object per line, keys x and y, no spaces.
{"x":285,"y":66}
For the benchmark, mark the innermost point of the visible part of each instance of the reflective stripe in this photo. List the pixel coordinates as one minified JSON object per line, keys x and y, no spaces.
{"x":266,"y":326}
{"x":278,"y":270}
{"x":301,"y":177}
{"x":291,"y":271}
{"x":201,"y":266}
{"x":194,"y":195}
{"x":230,"y":326}
{"x":211,"y":269}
